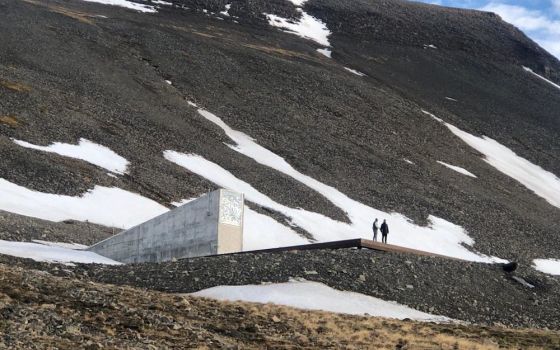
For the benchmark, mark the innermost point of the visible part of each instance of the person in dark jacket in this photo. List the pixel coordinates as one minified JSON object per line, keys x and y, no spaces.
{"x":384,"y":231}
{"x":375,"y":228}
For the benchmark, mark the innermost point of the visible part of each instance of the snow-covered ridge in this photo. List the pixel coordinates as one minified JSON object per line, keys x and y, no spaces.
{"x":527,"y":69}
{"x":457,"y":169}
{"x":543,"y":183}
{"x":317,"y":296}
{"x":85,"y":150}
{"x":441,"y":237}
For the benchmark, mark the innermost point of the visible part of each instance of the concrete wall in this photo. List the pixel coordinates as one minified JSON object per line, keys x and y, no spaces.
{"x":209,"y":225}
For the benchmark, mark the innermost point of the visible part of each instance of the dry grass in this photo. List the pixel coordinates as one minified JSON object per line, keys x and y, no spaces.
{"x":63,"y":312}
{"x":14,"y":86}
{"x":9,"y":121}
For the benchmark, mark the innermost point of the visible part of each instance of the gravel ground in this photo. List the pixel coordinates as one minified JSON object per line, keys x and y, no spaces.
{"x":473,"y":292}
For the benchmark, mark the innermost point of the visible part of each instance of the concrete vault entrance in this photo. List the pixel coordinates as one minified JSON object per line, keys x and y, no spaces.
{"x":209,"y":225}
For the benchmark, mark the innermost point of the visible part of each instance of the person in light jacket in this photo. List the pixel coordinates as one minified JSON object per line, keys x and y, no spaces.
{"x":375,"y":228}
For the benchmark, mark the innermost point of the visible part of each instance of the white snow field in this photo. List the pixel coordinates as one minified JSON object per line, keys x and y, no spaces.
{"x":457,"y":169}
{"x":543,"y":183}
{"x":550,"y":266}
{"x":127,"y":4}
{"x":353,"y":71}
{"x":441,"y":237}
{"x":317,"y":296}
{"x":85,"y":150}
{"x":109,"y":206}
{"x":527,"y":69}
{"x":52,"y":253}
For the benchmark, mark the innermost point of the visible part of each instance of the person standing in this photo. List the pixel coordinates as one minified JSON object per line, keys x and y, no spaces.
{"x":384,"y":231}
{"x":375,"y":228}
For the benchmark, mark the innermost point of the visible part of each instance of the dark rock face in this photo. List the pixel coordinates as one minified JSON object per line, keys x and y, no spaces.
{"x":473,"y":292}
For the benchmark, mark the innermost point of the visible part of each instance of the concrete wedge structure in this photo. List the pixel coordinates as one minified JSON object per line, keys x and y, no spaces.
{"x":209,"y":225}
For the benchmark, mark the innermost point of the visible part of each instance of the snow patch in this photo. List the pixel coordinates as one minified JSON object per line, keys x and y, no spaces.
{"x":457,"y":169}
{"x":169,"y":82}
{"x":325,"y":52}
{"x":441,"y":237}
{"x":192,"y":104}
{"x":450,"y":99}
{"x":226,"y":11}
{"x":408,"y":161}
{"x":550,"y":266}
{"x":109,"y":206}
{"x":317,"y":296}
{"x":182,"y":202}
{"x":353,"y":71}
{"x":298,"y":3}
{"x":127,"y":4}
{"x":261,"y":232}
{"x":74,"y":246}
{"x":543,"y":183}
{"x":527,"y":69}
{"x":85,"y":150}
{"x":430,"y":46}
{"x":52,"y":253}
{"x":306,"y":26}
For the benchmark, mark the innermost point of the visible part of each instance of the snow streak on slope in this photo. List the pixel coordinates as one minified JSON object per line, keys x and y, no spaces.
{"x":41,"y":252}
{"x":317,"y":296}
{"x":127,"y":4}
{"x":85,"y":150}
{"x":541,"y":77}
{"x":457,"y":169}
{"x":543,"y":183}
{"x":109,"y":206}
{"x":353,"y":71}
{"x":309,"y":221}
{"x":442,"y":237}
{"x":261,"y":231}
{"x":550,"y":266}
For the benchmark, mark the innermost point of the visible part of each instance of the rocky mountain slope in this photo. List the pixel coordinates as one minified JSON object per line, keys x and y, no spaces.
{"x":74,"y":70}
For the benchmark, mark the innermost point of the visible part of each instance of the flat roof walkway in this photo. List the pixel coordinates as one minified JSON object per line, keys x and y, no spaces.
{"x":352,"y":243}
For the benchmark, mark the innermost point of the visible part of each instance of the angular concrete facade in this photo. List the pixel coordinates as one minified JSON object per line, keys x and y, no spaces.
{"x":209,"y":225}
